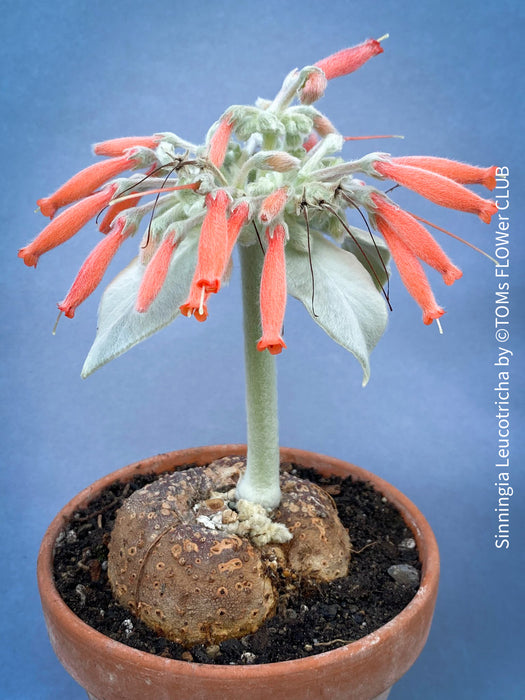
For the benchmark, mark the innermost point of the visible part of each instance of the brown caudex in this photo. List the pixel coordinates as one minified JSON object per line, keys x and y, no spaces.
{"x":198,"y":568}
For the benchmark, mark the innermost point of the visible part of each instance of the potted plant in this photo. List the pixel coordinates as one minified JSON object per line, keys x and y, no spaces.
{"x":269,"y":181}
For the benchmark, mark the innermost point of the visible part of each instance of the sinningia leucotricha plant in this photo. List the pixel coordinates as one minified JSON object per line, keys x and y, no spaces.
{"x":269,"y":178}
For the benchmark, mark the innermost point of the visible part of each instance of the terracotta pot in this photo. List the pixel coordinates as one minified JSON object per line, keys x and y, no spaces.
{"x":363,"y":670}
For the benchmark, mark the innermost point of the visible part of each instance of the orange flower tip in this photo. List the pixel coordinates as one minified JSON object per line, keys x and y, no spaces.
{"x":210,"y":286}
{"x":47,"y":206}
{"x":67,"y":308}
{"x":201,"y":316}
{"x":30,"y":259}
{"x":489,"y":179}
{"x":487,"y":210}
{"x":451,"y":275}
{"x":274,"y":345}
{"x":378,"y":41}
{"x":189,"y":310}
{"x":430,"y":315}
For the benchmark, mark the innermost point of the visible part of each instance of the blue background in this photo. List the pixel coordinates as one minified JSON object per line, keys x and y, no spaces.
{"x":74,"y":73}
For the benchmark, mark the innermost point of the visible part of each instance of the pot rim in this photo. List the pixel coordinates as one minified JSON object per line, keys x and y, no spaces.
{"x":415,"y":520}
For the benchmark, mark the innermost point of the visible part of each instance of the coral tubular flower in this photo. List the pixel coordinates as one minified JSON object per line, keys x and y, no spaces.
{"x":273,"y":292}
{"x":85,"y":183}
{"x":118,"y":147}
{"x":463,"y":173}
{"x":349,"y":60}
{"x":339,"y":64}
{"x":116,"y":209}
{"x":213,"y":243}
{"x":411,"y":272}
{"x":93,"y":269}
{"x":155,"y":273}
{"x":195,"y":304}
{"x":273,"y":205}
{"x":219,"y":141}
{"x":415,"y":236}
{"x":66,"y":225}
{"x":437,"y":188}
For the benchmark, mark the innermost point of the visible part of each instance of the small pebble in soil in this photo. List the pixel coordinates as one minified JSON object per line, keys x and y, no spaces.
{"x":71,"y":537}
{"x":80,"y":590}
{"x":405,"y":574}
{"x":213,"y":651}
{"x":128,"y":627}
{"x":408,"y":544}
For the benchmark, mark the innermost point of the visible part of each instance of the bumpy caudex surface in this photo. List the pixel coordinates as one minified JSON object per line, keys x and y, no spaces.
{"x":200,"y":568}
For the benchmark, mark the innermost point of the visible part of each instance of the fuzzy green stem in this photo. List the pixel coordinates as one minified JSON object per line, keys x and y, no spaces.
{"x":260,"y":483}
{"x":293,"y":82}
{"x":269,"y":142}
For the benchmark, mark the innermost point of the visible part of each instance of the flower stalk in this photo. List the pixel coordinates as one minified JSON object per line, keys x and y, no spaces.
{"x":260,"y":482}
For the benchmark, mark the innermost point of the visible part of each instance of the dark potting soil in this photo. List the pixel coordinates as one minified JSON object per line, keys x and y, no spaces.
{"x":311,"y":621}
